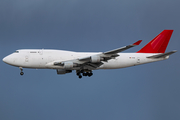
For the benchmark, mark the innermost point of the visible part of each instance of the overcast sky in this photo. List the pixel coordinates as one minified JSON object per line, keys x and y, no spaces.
{"x":145,"y":92}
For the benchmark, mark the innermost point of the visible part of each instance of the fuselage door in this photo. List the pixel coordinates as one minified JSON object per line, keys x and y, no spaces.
{"x":40,"y":52}
{"x":138,"y":59}
{"x":26,"y":58}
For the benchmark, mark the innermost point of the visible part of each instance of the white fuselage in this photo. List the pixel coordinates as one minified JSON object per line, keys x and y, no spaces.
{"x":45,"y":59}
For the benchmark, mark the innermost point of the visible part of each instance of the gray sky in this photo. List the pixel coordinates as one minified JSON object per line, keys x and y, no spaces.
{"x":149,"y":91}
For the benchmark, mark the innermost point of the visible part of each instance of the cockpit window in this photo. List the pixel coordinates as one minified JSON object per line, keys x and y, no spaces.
{"x":16,"y":52}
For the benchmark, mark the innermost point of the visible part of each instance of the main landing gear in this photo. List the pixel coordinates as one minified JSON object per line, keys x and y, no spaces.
{"x":21,"y":73}
{"x":84,"y":73}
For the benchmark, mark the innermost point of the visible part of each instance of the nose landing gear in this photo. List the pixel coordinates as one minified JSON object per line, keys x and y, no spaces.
{"x":21,"y":73}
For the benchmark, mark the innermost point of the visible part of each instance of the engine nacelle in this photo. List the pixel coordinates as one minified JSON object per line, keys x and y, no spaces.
{"x":61,"y":71}
{"x":96,"y":59}
{"x":68,"y":65}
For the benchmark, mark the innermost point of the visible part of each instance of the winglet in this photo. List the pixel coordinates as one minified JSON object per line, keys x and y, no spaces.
{"x":137,"y":43}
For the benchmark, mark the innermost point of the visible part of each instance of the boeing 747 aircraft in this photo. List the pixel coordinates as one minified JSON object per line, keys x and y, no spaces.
{"x":85,"y":62}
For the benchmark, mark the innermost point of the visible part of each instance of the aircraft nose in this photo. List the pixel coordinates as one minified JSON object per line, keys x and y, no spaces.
{"x":5,"y":59}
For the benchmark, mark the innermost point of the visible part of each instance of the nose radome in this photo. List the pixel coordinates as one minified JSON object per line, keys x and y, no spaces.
{"x":10,"y":59}
{"x":7,"y":60}
{"x":4,"y":59}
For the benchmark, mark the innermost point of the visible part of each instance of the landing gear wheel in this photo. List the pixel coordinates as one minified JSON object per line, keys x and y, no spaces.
{"x":80,"y":76}
{"x":21,"y":73}
{"x":84,"y":74}
{"x":90,"y":74}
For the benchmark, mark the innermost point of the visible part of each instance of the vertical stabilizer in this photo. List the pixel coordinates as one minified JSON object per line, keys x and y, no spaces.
{"x":158,"y":44}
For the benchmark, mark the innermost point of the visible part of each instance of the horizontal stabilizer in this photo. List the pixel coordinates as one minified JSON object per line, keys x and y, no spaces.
{"x":163,"y":55}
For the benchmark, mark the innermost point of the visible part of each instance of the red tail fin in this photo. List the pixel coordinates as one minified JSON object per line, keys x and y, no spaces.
{"x":158,"y":44}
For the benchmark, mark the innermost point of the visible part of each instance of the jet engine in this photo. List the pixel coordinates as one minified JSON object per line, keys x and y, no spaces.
{"x":69,"y":65}
{"x":61,"y":71}
{"x":96,"y":59}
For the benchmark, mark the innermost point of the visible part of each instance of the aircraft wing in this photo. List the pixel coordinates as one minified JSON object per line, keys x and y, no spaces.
{"x":122,"y":48}
{"x":94,"y":61}
{"x":112,"y":53}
